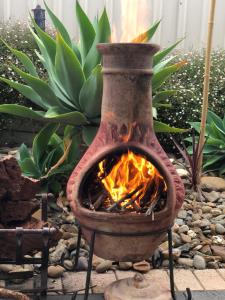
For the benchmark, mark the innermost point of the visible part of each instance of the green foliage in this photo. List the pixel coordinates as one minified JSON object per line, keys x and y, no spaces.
{"x":72,"y":91}
{"x":52,"y":158}
{"x":186,"y":103}
{"x":214,"y":149}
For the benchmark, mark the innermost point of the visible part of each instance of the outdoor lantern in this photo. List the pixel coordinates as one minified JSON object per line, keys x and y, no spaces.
{"x":39,"y":16}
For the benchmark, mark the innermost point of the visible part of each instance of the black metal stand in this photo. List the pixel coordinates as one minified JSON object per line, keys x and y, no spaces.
{"x":156,"y":261}
{"x":20,"y":234}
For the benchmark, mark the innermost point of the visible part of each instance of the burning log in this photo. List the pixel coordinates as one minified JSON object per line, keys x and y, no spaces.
{"x":128,"y":196}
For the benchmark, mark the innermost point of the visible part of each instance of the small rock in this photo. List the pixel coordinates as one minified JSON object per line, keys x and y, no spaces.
{"x":71,"y":244}
{"x":185,"y":248}
{"x":183,"y":229}
{"x":60,"y":249}
{"x":219,"y":251}
{"x":220,"y":229}
{"x":213,"y":265}
{"x":96,"y":261}
{"x":185,"y":262}
{"x":182,"y":214}
{"x":204,"y":223}
{"x":6,"y":268}
{"x":199,"y":262}
{"x":216,"y":212}
{"x":125,"y":265}
{"x":142,"y":266}
{"x":192,"y":234}
{"x":176,"y":239}
{"x":206,"y":209}
{"x":55,"y":271}
{"x":212,"y":196}
{"x":68,"y":235}
{"x":206,"y":250}
{"x":179,"y":222}
{"x":82,"y":264}
{"x":68,"y":264}
{"x":185,"y":238}
{"x":164,"y":246}
{"x":176,"y":253}
{"x":211,"y":183}
{"x":104,"y":266}
{"x":69,"y":228}
{"x":182,"y":173}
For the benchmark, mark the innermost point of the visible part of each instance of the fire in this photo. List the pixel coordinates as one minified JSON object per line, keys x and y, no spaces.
{"x":132,"y":182}
{"x":134,"y":20}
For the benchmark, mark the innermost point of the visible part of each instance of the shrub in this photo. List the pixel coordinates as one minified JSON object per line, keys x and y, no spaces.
{"x":19,"y":36}
{"x":186,"y":104}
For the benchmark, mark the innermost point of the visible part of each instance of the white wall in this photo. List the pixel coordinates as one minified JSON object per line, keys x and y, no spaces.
{"x":180,"y":18}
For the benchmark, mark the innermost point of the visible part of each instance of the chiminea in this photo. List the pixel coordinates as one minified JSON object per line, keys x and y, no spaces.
{"x":125,"y":188}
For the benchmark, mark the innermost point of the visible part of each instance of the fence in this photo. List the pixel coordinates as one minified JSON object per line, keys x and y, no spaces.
{"x":180,"y":18}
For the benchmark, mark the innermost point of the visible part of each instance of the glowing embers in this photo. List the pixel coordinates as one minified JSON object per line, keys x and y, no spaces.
{"x":126,"y":182}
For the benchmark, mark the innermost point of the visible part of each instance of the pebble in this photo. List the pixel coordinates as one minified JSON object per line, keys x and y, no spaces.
{"x":182,"y":214}
{"x":212,"y":183}
{"x":6,"y":268}
{"x":182,"y":173}
{"x":220,"y":229}
{"x":199,"y":262}
{"x":216,"y":212}
{"x":125,"y":265}
{"x":68,"y":264}
{"x":142,"y":266}
{"x":60,"y":249}
{"x":55,"y":271}
{"x":82,"y":264}
{"x":183,"y":229}
{"x":185,"y":262}
{"x":185,"y":238}
{"x":219,"y":251}
{"x":104,"y":266}
{"x":212,"y":196}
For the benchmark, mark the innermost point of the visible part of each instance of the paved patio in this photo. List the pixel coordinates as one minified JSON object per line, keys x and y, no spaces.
{"x":198,"y":281}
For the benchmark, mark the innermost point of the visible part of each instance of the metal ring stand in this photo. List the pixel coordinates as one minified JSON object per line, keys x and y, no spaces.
{"x":156,"y":264}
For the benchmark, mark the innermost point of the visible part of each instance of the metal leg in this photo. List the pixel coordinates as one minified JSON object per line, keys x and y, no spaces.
{"x":78,"y":247}
{"x":172,"y":285}
{"x":44,"y":267}
{"x":170,"y":242}
{"x":88,"y":278}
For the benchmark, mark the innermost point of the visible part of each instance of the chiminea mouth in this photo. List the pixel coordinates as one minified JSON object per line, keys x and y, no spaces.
{"x":94,"y":197}
{"x":128,"y":48}
{"x":127,"y":56}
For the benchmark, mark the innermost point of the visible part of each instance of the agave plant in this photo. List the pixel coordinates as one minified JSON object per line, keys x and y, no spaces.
{"x":214,"y":148}
{"x":73,"y":92}
{"x":51,"y":158}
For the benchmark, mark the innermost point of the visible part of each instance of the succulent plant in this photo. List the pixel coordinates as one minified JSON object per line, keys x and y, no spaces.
{"x":73,"y":92}
{"x":214,"y":148}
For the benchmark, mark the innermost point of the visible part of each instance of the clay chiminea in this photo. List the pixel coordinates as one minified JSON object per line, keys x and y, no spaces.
{"x":126,"y":125}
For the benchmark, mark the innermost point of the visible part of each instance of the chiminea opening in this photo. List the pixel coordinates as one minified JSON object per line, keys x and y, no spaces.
{"x":125,"y":180}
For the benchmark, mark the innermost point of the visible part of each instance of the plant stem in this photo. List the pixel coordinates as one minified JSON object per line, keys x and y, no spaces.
{"x":206,"y":84}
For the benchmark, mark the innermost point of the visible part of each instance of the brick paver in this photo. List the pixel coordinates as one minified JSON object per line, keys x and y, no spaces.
{"x":210,"y":279}
{"x":124,"y":274}
{"x":73,"y":281}
{"x":186,"y":279}
{"x":159,"y":275}
{"x":221,"y":272}
{"x":101,"y":281}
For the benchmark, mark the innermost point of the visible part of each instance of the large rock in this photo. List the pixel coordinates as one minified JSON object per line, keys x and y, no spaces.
{"x":55,"y":271}
{"x":219,"y":251}
{"x":211,"y":183}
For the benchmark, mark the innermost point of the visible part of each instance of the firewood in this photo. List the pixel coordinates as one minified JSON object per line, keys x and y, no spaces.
{"x":128,"y":196}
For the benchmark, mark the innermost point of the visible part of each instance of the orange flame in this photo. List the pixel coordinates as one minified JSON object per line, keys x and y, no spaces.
{"x":130,"y":178}
{"x":134,"y":19}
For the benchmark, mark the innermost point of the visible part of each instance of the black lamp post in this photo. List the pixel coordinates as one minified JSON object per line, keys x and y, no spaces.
{"x":39,"y":16}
